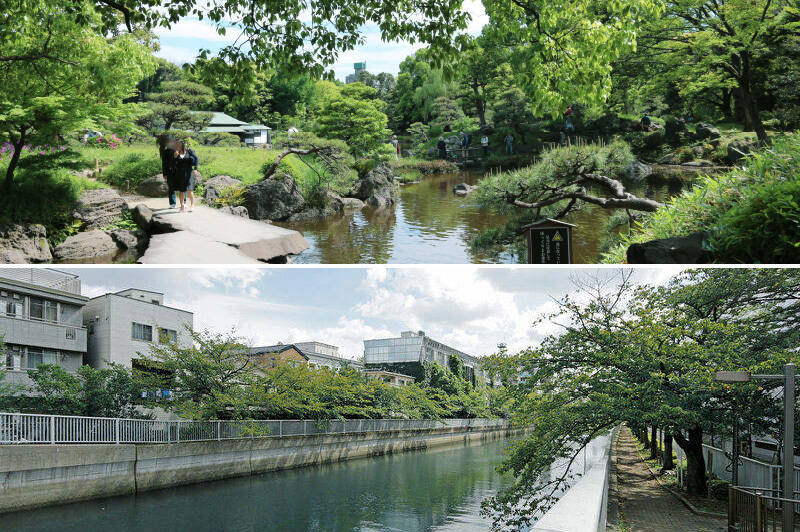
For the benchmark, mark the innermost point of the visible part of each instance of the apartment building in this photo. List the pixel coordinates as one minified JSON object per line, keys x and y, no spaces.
{"x":122,"y":326}
{"x":315,"y":354}
{"x":41,"y":321}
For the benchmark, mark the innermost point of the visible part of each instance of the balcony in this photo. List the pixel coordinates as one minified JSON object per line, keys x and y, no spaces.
{"x":43,"y":334}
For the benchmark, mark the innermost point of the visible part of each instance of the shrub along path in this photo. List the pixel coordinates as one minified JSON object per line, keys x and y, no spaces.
{"x":644,"y":506}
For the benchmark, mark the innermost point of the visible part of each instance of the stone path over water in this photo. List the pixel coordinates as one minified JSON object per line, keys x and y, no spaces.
{"x":647,"y":507}
{"x":208,"y":236}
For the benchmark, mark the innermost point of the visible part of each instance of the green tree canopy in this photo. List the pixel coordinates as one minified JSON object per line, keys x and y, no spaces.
{"x":60,"y":73}
{"x":355,"y":117}
{"x":646,"y":355}
{"x":178,"y":103}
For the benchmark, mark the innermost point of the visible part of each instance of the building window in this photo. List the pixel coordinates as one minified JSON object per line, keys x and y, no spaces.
{"x":42,"y":309}
{"x":35,"y":358}
{"x":11,"y":305}
{"x":142,"y":332}
{"x":167,"y":336}
{"x":71,"y":333}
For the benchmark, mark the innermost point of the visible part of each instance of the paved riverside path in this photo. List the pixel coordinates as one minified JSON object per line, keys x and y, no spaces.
{"x":647,"y":507}
{"x":207,"y":236}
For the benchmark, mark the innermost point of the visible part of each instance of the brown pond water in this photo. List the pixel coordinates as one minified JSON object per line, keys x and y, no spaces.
{"x":431,"y":225}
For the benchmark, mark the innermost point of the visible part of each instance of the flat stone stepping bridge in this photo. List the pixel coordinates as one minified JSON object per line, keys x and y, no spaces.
{"x":208,"y":236}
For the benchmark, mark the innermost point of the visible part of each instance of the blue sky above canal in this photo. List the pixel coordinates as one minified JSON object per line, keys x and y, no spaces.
{"x":181,"y":44}
{"x":470,"y":308}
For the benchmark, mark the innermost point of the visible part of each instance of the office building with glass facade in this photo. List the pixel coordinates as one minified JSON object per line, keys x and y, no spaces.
{"x":407,"y":353}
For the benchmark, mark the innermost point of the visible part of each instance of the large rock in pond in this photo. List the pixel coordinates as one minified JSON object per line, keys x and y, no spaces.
{"x":352,"y":203}
{"x":463,"y":189}
{"x":334,"y":204}
{"x":86,"y":246}
{"x":215,"y":187}
{"x":707,"y":131}
{"x":100,"y":207}
{"x":153,"y":187}
{"x":636,"y":171}
{"x":24,"y":244}
{"x":134,"y":240}
{"x":676,"y":250}
{"x":274,"y":198}
{"x":377,"y":187}
{"x":737,"y":149}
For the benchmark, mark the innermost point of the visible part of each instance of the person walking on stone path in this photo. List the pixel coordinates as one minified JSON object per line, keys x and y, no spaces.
{"x":509,"y":140}
{"x":396,"y":146}
{"x":485,"y":145}
{"x":442,"y":146}
{"x":185,"y":172}
{"x":166,"y":151}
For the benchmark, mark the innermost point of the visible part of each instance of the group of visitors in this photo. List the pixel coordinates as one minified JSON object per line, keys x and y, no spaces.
{"x":466,"y":139}
{"x":179,"y":167}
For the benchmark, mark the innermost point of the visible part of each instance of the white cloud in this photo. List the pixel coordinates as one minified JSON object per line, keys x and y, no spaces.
{"x":192,"y":28}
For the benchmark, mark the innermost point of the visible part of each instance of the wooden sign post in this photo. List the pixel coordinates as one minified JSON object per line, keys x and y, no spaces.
{"x":549,"y":242}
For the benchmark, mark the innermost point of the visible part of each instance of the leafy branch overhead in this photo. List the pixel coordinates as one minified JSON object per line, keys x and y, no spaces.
{"x":302,"y":35}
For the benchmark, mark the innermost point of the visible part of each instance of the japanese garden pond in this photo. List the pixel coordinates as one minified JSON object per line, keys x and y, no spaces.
{"x":431,"y":225}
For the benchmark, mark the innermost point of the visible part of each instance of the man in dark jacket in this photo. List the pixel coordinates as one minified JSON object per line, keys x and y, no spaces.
{"x":166,"y":150}
{"x":442,"y":148}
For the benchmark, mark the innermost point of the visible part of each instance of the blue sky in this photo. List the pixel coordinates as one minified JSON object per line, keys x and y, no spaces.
{"x":181,"y":43}
{"x":470,"y":308}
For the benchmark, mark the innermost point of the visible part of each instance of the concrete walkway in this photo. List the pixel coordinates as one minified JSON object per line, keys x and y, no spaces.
{"x":207,"y":236}
{"x":644,"y":506}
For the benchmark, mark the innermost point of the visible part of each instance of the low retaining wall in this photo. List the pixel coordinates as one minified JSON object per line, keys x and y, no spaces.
{"x":584,"y":507}
{"x":32,"y":476}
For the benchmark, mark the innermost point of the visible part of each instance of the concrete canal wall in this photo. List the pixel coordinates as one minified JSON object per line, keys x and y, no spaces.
{"x":32,"y":476}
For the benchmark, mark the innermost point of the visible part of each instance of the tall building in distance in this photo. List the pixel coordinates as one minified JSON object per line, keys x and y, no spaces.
{"x":406,"y":354}
{"x":359,"y":68}
{"x":41,"y":321}
{"x":122,"y":326}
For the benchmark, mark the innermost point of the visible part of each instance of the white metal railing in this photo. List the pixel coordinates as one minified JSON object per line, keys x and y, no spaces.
{"x":752,"y":473}
{"x":16,"y":428}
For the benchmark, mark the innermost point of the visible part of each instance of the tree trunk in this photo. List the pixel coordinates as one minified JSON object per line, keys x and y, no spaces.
{"x":749,"y":103}
{"x":696,"y":483}
{"x":725,"y":105}
{"x":12,"y":164}
{"x":653,"y":442}
{"x":669,"y":465}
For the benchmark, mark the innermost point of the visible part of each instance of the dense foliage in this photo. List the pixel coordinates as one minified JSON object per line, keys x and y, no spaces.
{"x":646,"y":356}
{"x":215,"y":378}
{"x":752,"y":213}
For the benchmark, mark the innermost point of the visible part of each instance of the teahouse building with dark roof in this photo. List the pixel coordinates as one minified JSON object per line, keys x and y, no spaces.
{"x":256,"y":135}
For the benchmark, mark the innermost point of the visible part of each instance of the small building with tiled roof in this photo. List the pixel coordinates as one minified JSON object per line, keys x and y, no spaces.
{"x":251,"y":134}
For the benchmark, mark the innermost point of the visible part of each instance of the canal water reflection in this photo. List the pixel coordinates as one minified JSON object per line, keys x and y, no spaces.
{"x":438,"y":490}
{"x":431,"y":225}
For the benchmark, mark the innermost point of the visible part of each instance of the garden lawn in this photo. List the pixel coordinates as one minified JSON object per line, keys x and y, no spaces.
{"x":129,"y":165}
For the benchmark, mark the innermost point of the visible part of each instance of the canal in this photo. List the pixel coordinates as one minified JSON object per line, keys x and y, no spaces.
{"x":431,"y":225}
{"x":435,"y":490}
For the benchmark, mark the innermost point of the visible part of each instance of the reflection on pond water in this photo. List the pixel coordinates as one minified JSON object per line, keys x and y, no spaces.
{"x":431,"y":225}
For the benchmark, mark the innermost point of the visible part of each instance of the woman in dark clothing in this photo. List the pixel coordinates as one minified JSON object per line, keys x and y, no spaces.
{"x":442,"y":148}
{"x":185,"y":170}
